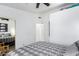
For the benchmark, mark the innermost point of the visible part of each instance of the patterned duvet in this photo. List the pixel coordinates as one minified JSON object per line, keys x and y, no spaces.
{"x":39,"y":49}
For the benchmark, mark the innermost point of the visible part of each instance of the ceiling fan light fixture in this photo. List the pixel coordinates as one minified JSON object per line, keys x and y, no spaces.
{"x":38,"y":4}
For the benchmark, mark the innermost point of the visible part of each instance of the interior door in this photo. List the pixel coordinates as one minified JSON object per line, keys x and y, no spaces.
{"x":39,"y":32}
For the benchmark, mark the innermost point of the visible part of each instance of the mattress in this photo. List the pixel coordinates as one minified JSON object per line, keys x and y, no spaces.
{"x":39,"y":49}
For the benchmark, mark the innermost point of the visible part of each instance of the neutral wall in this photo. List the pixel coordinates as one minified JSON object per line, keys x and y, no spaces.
{"x":45,"y":20}
{"x":64,"y":26}
{"x":71,"y":13}
{"x":25,"y":24}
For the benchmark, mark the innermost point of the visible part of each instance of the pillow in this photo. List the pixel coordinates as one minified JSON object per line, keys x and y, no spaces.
{"x":7,"y":35}
{"x":77,"y":44}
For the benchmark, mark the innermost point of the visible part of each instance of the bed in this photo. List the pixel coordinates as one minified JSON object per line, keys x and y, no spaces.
{"x":43,"y":49}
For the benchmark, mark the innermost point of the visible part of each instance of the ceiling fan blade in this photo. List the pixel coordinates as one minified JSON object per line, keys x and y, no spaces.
{"x":37,"y":6}
{"x":47,"y":4}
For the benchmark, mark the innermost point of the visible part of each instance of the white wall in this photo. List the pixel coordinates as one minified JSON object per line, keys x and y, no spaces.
{"x":64,"y":26}
{"x":25,"y":24}
{"x":45,"y":20}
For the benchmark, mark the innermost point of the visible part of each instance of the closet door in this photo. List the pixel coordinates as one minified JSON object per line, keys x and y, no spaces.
{"x":39,"y":32}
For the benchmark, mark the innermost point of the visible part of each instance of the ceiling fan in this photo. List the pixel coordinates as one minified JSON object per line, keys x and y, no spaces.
{"x":38,"y":4}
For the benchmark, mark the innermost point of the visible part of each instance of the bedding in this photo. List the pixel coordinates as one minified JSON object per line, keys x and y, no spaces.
{"x":39,"y":49}
{"x":44,"y":49}
{"x":71,"y":50}
{"x":77,"y":44}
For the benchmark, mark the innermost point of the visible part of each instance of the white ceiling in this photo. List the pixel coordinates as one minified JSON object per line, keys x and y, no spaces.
{"x":31,"y":6}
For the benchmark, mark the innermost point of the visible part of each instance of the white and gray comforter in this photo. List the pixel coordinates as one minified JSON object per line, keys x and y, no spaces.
{"x":40,"y":49}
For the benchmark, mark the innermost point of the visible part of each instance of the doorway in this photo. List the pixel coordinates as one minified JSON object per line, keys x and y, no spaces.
{"x":39,"y":32}
{"x":7,"y":35}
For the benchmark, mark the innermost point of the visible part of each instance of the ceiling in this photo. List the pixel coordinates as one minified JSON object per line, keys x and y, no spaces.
{"x":31,"y":6}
